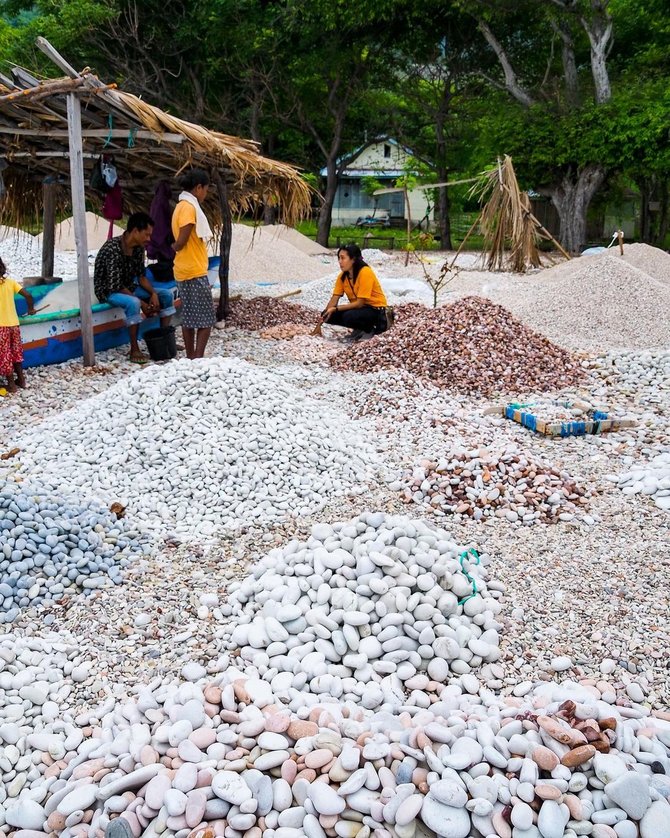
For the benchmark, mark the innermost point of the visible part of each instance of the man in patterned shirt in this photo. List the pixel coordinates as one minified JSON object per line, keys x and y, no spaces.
{"x":119,"y":279}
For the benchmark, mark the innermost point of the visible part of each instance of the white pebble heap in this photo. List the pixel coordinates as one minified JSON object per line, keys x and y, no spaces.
{"x":51,"y":548}
{"x":363,"y":608}
{"x":193,"y":447}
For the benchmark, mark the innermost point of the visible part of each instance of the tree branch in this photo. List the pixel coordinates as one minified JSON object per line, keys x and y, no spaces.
{"x":511,"y":84}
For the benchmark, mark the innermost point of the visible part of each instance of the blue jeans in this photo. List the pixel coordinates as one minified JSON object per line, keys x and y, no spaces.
{"x":131,"y":304}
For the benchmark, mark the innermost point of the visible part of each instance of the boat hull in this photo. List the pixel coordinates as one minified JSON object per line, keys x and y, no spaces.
{"x":56,"y":337}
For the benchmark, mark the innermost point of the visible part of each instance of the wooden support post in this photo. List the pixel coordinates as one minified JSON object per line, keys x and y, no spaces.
{"x":79,"y":221}
{"x":49,"y":187}
{"x":226,"y":240}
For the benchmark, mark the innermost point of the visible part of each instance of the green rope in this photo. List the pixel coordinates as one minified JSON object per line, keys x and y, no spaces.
{"x":110,"y":123}
{"x":131,"y":137}
{"x":463,"y":557}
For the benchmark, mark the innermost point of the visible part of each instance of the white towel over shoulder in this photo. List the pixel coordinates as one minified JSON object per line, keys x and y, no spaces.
{"x":202,"y":228}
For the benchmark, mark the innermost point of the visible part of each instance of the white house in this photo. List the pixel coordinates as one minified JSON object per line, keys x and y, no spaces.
{"x":384,"y":160}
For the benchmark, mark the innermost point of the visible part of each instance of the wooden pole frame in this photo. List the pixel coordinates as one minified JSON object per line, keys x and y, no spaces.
{"x":224,"y":250}
{"x":49,"y":189}
{"x":79,"y":221}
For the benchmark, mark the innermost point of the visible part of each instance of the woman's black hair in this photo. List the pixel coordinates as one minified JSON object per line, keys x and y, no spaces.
{"x":354,"y":252}
{"x":3,"y":269}
{"x":192,"y":178}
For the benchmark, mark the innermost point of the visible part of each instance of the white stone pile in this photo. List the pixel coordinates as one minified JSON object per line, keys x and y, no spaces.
{"x":651,"y":479}
{"x":226,"y":757}
{"x":365,"y":609}
{"x":51,"y":548}
{"x":193,"y":447}
{"x":480,"y":484}
{"x":644,"y":375}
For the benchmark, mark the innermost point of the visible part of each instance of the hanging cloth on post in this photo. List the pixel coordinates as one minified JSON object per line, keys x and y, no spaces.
{"x":160,"y":244}
{"x":112,"y":208}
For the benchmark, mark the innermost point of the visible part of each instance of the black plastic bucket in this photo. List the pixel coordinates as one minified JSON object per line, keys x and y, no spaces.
{"x":161,"y":343}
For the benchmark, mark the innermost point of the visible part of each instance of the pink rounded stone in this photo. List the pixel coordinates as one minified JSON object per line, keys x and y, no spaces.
{"x":212,"y":695}
{"x":288,"y":771}
{"x":546,"y":759}
{"x":195,"y":807}
{"x":277,"y":723}
{"x":204,"y":780}
{"x":297,"y":729}
{"x":317,"y":759}
{"x":148,"y":755}
{"x":133,"y":823}
{"x":203,"y":737}
{"x":546,"y":792}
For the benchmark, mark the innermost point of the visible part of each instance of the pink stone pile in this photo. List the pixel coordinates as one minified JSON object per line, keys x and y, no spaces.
{"x":472,"y":346}
{"x":479,"y":484}
{"x":263,"y":312}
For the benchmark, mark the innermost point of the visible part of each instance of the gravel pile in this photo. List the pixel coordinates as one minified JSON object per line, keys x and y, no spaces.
{"x":363,"y":607}
{"x":472,"y":346}
{"x":51,"y":548}
{"x":263,"y":312}
{"x":651,"y":260}
{"x":601,"y":300}
{"x":192,"y":448}
{"x":265,"y":254}
{"x":480,"y":484}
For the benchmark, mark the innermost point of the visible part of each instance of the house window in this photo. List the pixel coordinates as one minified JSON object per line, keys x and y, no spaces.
{"x":387,"y":150}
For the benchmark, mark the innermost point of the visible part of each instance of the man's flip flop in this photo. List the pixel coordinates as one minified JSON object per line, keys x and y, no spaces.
{"x":140,"y":361}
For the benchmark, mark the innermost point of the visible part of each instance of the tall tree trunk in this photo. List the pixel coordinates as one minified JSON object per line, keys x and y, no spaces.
{"x":326,"y":211}
{"x":645,"y":216}
{"x":443,"y":206}
{"x":572,"y":197}
{"x":664,"y":214}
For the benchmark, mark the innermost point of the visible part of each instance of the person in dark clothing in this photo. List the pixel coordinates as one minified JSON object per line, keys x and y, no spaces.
{"x":119,"y":279}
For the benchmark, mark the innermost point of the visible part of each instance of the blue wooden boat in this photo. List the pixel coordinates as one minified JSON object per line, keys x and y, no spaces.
{"x":55,"y":336}
{"x":52,"y":337}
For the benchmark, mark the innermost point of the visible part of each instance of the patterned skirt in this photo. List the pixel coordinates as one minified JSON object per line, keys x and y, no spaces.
{"x":197,"y":305}
{"x":11,"y":349}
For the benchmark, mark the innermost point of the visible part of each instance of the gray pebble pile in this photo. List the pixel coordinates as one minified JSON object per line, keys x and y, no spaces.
{"x":51,"y":548}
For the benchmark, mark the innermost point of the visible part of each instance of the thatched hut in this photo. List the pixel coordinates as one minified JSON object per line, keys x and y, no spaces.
{"x":53,"y":131}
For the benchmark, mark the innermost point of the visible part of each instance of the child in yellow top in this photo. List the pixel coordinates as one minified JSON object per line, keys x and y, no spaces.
{"x":11,"y":348}
{"x":365,"y":311}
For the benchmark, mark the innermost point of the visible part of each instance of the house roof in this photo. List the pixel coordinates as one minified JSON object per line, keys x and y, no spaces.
{"x":146,"y":144}
{"x":379,"y":173}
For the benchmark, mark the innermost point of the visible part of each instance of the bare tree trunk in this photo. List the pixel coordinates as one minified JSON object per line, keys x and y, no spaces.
{"x":572,"y":197}
{"x":570,"y":77}
{"x":511,"y":82}
{"x":599,"y":30}
{"x":664,"y":215}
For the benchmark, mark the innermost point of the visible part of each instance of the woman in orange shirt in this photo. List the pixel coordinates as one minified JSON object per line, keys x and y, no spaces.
{"x":365,"y":311}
